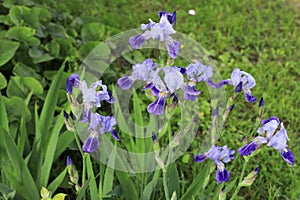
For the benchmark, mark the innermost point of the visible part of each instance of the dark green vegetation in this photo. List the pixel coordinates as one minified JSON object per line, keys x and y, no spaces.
{"x":260,"y":37}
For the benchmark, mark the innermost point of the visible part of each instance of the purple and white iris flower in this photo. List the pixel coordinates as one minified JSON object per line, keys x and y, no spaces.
{"x":99,"y":125}
{"x":72,"y":81}
{"x":272,"y":137}
{"x":243,"y":81}
{"x":195,"y":72}
{"x":92,"y":97}
{"x":219,"y":155}
{"x":141,"y":71}
{"x":173,"y":80}
{"x":159,"y":31}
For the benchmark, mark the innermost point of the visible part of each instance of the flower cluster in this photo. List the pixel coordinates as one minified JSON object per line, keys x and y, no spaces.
{"x":92,"y":97}
{"x":161,"y":31}
{"x":166,"y":82}
{"x":173,"y":80}
{"x":219,"y":155}
{"x":272,"y":137}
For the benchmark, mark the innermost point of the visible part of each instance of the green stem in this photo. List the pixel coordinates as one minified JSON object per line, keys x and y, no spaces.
{"x":237,"y":189}
{"x":83,"y":168}
{"x":78,"y":143}
{"x":77,"y":139}
{"x":165,"y":184}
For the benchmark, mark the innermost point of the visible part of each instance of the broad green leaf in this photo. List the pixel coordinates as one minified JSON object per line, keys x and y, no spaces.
{"x":2,"y":33}
{"x":20,"y":33}
{"x":56,"y":30}
{"x":21,"y":86}
{"x":50,"y":151}
{"x":138,"y":129}
{"x":91,"y":175}
{"x":7,"y":50}
{"x":66,"y":47}
{"x":57,"y":181}
{"x":3,"y":114}
{"x":127,"y":185}
{"x":22,"y":70}
{"x":3,"y":82}
{"x":109,"y":174}
{"x":92,"y":31}
{"x":33,"y":41}
{"x":43,"y":124}
{"x":173,"y":179}
{"x":21,"y":170}
{"x":103,"y":50}
{"x":82,"y":192}
{"x":150,"y":187}
{"x":7,"y":192}
{"x":38,"y":55}
{"x":14,"y":108}
{"x":16,"y":14}
{"x":23,"y":140}
{"x":43,"y":14}
{"x":48,"y":110}
{"x":86,"y":48}
{"x":59,"y":196}
{"x":11,"y":3}
{"x":22,"y":15}
{"x":64,"y":141}
{"x":34,"y":159}
{"x":197,"y":184}
{"x":53,"y":48}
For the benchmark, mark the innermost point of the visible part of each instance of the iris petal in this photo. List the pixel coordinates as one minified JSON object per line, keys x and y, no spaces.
{"x":157,"y":107}
{"x":190,"y":93}
{"x":137,"y":41}
{"x":288,"y":156}
{"x":91,"y":144}
{"x":115,"y":135}
{"x":125,"y":82}
{"x":200,"y":157}
{"x":222,"y":175}
{"x":247,"y":149}
{"x":173,"y":48}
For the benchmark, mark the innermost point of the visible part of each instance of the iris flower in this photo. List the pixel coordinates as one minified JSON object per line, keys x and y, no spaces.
{"x":219,"y":155}
{"x":99,"y":125}
{"x":161,"y":31}
{"x":272,"y":137}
